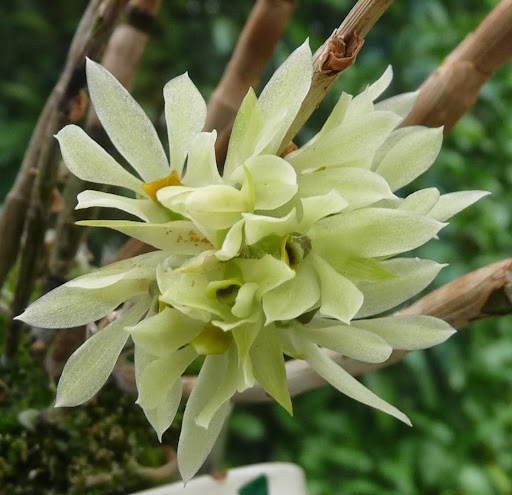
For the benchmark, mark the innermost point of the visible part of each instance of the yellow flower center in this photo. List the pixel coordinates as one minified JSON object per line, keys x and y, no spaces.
{"x":151,"y":188}
{"x":211,"y":340}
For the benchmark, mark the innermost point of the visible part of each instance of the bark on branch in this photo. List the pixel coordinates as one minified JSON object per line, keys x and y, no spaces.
{"x":454,"y":87}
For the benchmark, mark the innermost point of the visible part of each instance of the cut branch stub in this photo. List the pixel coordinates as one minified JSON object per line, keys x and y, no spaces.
{"x":341,"y":52}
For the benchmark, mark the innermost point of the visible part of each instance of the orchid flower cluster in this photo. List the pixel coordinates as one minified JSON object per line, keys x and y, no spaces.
{"x":278,"y":256}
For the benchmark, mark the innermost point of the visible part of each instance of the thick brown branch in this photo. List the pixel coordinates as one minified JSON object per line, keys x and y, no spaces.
{"x":453,"y":88}
{"x":254,"y":49}
{"x":335,"y":55}
{"x":478,"y":295}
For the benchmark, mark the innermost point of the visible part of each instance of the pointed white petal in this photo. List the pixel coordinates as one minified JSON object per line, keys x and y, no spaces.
{"x":410,"y":156}
{"x":128,"y":127}
{"x":451,"y":203}
{"x":286,"y":90}
{"x":381,"y":84}
{"x":90,"y":162}
{"x":294,"y":297}
{"x":348,"y":340}
{"x":162,"y":416}
{"x":274,"y":179}
{"x":359,"y":139}
{"x":224,"y":389}
{"x":358,"y":186}
{"x":178,"y":237}
{"x":316,"y":207}
{"x":399,"y":104}
{"x":259,"y":226}
{"x":232,"y":243}
{"x":268,"y":272}
{"x":347,"y":384}
{"x":421,"y":201}
{"x":412,"y":276}
{"x":165,"y":332}
{"x":145,"y":209}
{"x":268,"y":366}
{"x":90,"y":365}
{"x":185,"y":114}
{"x":195,"y":442}
{"x":244,"y":136}
{"x":408,"y":332}
{"x":139,"y":267}
{"x":66,"y":307}
{"x":340,"y":298}
{"x":201,"y":163}
{"x":372,"y":232}
{"x":160,"y":375}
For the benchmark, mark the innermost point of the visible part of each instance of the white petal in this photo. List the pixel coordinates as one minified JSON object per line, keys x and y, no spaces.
{"x":348,"y":340}
{"x":275,"y":181}
{"x":268,"y":366}
{"x":195,"y":442}
{"x":217,"y":206}
{"x":294,"y":297}
{"x":381,"y":84}
{"x":232,"y":243}
{"x":409,"y":332}
{"x":347,"y":384}
{"x":244,"y":300}
{"x":90,"y":365}
{"x":267,"y":272}
{"x":162,"y":416}
{"x":351,"y":143}
{"x":201,"y":163}
{"x":259,"y":226}
{"x":90,"y":162}
{"x":286,"y":90}
{"x":139,"y":267}
{"x":399,"y":104}
{"x":410,"y":156}
{"x":340,"y":298}
{"x":451,"y":203}
{"x":66,"y":307}
{"x":145,"y":209}
{"x":179,"y":237}
{"x":224,"y":390}
{"x":316,"y":207}
{"x":165,"y":332}
{"x":244,"y":136}
{"x":126,"y":124}
{"x":358,"y":186}
{"x":160,"y":375}
{"x":185,"y":114}
{"x":372,"y":232}
{"x":412,"y":276}
{"x":421,"y":201}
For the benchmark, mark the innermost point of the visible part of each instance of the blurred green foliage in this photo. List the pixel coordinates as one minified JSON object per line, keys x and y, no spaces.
{"x":458,"y":395}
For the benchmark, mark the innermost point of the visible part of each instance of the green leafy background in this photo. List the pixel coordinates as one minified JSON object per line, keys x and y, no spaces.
{"x":457,"y":395}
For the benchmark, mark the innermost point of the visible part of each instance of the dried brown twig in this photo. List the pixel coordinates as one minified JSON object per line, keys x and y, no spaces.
{"x":64,"y":104}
